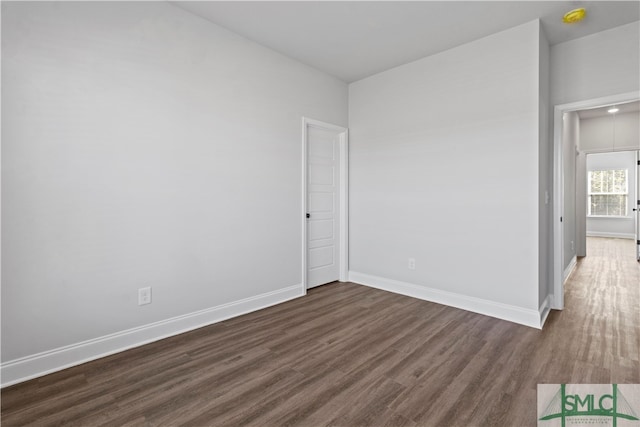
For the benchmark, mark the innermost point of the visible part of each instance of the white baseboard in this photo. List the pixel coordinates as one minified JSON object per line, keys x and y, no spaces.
{"x":545,"y":309}
{"x":511,"y":313}
{"x":33,"y":366}
{"x":567,"y":271}
{"x":611,"y":235}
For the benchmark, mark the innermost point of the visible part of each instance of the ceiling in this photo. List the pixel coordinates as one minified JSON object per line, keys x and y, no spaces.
{"x":355,"y":39}
{"x":629,"y":107}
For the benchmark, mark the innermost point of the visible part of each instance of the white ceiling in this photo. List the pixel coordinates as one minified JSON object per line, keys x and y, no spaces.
{"x":355,"y":39}
{"x":629,"y":107}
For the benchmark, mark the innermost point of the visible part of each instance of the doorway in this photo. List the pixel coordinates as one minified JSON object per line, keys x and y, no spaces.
{"x":325,"y":203}
{"x":611,"y":193}
{"x":566,"y":199}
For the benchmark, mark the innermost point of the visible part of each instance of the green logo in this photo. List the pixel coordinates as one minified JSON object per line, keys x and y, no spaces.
{"x":581,"y":408}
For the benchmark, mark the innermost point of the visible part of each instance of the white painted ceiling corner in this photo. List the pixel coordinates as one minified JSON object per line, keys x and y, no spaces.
{"x":355,"y":39}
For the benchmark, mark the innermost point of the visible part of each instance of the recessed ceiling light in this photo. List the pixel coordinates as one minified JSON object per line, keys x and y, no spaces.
{"x":573,"y":16}
{"x":613,"y":110}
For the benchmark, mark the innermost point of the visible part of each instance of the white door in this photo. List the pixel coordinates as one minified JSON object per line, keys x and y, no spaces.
{"x":323,"y":205}
{"x":636,"y":205}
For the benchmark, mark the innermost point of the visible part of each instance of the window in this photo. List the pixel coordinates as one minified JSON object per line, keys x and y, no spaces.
{"x":608,"y":193}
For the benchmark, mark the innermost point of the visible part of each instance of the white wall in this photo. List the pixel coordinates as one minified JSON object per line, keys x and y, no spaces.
{"x":144,"y":146}
{"x":609,"y":133}
{"x":444,"y":169}
{"x":599,"y":65}
{"x":545,"y":174}
{"x":570,"y":138}
{"x":581,"y":204}
{"x":614,"y":227}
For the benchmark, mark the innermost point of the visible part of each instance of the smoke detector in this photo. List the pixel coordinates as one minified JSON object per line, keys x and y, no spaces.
{"x":573,"y":16}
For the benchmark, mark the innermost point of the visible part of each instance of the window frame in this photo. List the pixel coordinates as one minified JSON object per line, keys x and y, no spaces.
{"x":625,"y":193}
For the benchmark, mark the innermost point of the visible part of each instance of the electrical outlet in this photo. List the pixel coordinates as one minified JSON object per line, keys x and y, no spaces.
{"x":572,"y":245}
{"x":144,"y":295}
{"x":412,"y":263}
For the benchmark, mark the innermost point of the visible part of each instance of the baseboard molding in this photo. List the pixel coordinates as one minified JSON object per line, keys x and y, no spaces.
{"x":567,"y":271}
{"x":611,"y":235}
{"x":545,"y":309}
{"x":29,"y":367}
{"x":508,"y":312}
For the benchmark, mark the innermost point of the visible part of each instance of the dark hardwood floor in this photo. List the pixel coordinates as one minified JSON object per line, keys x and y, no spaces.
{"x":348,"y":355}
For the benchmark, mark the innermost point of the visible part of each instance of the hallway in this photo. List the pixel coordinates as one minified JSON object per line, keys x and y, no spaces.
{"x":607,"y":280}
{"x":602,"y":311}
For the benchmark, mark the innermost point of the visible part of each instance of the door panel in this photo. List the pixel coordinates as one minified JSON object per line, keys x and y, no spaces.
{"x":322,"y":205}
{"x":322,"y":229}
{"x":321,"y":201}
{"x":321,"y":257}
{"x":636,"y":204}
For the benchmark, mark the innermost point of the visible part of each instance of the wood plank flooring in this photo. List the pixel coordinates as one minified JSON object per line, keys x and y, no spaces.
{"x":348,"y":355}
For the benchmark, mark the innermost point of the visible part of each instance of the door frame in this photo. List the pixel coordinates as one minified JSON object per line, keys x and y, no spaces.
{"x":557,"y":301}
{"x":343,"y":196}
{"x":636,"y":205}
